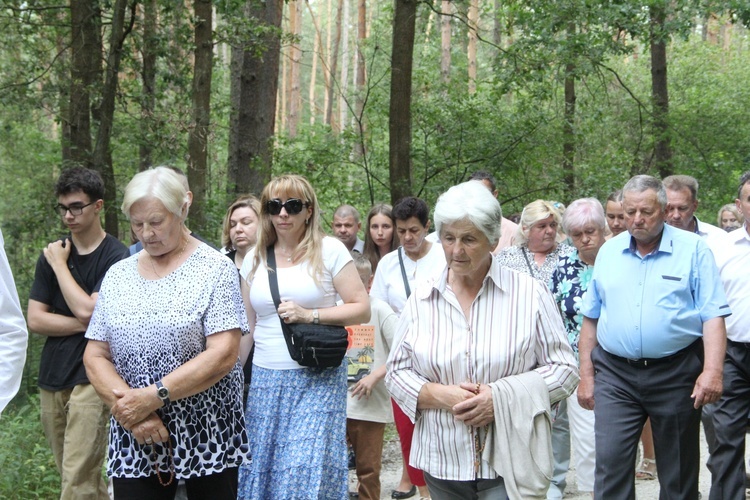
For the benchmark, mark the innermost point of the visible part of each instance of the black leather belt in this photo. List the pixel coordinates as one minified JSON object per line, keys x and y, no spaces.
{"x":645,"y":362}
{"x":746,"y":345}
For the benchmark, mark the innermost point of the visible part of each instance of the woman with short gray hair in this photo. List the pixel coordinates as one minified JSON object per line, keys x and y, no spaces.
{"x":586,"y":226}
{"x":471,"y":340}
{"x":163,"y":354}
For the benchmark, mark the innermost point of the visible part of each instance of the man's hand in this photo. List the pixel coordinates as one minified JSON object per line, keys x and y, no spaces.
{"x":708,"y":388}
{"x":586,"y":393}
{"x":57,"y":253}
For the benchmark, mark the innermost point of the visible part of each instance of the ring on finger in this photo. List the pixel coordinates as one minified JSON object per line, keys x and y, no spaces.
{"x":149,"y":440}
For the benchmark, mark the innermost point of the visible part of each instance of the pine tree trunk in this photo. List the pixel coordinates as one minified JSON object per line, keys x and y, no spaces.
{"x":359,"y":105}
{"x":102,"y":157}
{"x":256,"y":102}
{"x":295,"y":25}
{"x":344,"y":58}
{"x":399,"y":122}
{"x":569,"y":136}
{"x":445,"y":41}
{"x":333,"y":69}
{"x":201,"y":99}
{"x":472,"y":48}
{"x":84,"y":19}
{"x":148,"y":77}
{"x":660,"y":92}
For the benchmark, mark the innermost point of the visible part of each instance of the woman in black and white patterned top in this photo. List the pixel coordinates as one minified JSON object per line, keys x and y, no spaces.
{"x":163,"y":354}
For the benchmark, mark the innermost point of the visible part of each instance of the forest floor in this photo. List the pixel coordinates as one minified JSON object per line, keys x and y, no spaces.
{"x":645,"y":489}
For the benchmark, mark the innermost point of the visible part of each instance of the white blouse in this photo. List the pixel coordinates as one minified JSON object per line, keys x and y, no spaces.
{"x":513,"y":327}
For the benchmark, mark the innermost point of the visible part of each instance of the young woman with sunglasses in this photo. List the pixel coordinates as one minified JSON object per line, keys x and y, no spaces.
{"x":296,"y":415}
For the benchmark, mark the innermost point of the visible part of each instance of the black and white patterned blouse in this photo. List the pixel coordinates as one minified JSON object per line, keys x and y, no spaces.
{"x":155,"y":326}
{"x":521,"y":259}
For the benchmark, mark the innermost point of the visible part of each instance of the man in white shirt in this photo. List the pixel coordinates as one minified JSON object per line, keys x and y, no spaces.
{"x":682,"y":202}
{"x":730,"y":413}
{"x":13,"y":333}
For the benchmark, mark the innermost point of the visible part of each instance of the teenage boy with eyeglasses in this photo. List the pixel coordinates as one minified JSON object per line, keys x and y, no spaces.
{"x":66,"y":285}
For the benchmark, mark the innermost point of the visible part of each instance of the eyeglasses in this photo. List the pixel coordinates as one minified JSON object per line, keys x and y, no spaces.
{"x":73,"y":209}
{"x":293,"y":206}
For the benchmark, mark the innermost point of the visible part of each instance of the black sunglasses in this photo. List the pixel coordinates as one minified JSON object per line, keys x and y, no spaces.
{"x":293,"y":206}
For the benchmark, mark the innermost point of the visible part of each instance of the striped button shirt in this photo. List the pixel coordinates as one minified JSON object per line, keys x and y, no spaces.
{"x":513,"y":327}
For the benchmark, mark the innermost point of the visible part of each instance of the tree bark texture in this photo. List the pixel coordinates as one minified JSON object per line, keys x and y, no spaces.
{"x":256,"y":103}
{"x":148,"y":79}
{"x":84,"y":19}
{"x":102,"y":158}
{"x":359,"y":105}
{"x":472,"y":47}
{"x":201,"y":110}
{"x":295,"y":24}
{"x":333,"y":66}
{"x":399,"y":122}
{"x":445,"y":41}
{"x":569,"y":134}
{"x":660,"y":92}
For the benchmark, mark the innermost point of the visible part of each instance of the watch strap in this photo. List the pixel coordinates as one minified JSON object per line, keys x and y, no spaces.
{"x":162,"y":393}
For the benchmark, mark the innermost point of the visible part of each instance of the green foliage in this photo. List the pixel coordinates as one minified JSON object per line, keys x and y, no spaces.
{"x":27,"y":463}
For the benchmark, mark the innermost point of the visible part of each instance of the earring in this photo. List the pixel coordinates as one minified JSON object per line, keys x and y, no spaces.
{"x":307,"y":221}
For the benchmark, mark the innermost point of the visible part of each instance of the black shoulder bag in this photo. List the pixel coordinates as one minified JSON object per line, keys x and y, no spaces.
{"x":317,"y":346}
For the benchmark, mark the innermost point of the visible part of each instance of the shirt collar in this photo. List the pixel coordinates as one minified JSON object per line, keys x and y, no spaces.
{"x":665,"y":245}
{"x":440,"y":282}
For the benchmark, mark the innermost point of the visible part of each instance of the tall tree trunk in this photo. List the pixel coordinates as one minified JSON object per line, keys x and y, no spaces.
{"x":148,"y":78}
{"x":201,"y":98}
{"x":399,"y":121}
{"x":102,"y":157}
{"x":295,"y":52}
{"x":318,"y":53}
{"x":445,"y":41}
{"x":497,"y":29}
{"x":62,"y":73}
{"x":359,"y":104}
{"x":660,"y":92}
{"x":344,"y":58}
{"x":472,"y":48}
{"x":259,"y":83}
{"x":84,"y":19}
{"x":569,"y":135}
{"x":333,"y":67}
{"x":329,"y":60}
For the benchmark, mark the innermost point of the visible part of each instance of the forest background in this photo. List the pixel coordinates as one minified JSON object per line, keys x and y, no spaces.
{"x":370,"y":100}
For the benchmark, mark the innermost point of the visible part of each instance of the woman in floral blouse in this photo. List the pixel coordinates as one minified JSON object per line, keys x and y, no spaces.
{"x":585,"y":224}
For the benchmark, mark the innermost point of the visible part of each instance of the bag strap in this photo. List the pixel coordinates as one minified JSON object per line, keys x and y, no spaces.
{"x":273,"y":282}
{"x":528,"y":263}
{"x":403,"y":272}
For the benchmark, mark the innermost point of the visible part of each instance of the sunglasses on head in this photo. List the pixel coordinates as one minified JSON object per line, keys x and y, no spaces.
{"x":293,"y":206}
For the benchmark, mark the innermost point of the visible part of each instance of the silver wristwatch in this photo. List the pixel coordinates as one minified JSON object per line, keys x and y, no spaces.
{"x":162,"y":392}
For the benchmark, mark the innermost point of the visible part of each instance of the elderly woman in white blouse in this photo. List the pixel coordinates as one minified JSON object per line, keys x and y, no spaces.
{"x":482,"y":351}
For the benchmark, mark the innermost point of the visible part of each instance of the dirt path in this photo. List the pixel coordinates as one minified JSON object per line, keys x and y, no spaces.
{"x":645,"y":489}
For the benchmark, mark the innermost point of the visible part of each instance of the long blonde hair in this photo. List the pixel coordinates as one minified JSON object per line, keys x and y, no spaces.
{"x":310,"y":249}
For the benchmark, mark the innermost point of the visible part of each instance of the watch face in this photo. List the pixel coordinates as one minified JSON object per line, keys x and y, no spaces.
{"x":163,"y":392}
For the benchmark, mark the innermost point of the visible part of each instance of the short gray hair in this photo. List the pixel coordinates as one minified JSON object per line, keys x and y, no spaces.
{"x":161,"y":183}
{"x":582,"y":212}
{"x":470,"y":201}
{"x":641,"y":183}
{"x":680,"y":182}
{"x":345,"y":211}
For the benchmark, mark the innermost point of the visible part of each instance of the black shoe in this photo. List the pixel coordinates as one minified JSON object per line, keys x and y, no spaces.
{"x":404,"y":494}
